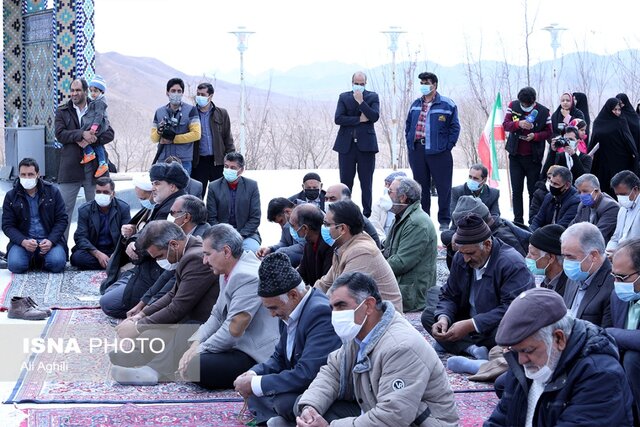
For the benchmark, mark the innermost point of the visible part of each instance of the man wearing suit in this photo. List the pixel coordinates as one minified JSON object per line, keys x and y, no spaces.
{"x":235,"y":200}
{"x":431,"y":131}
{"x":626,"y":184}
{"x":306,"y":339}
{"x":99,"y":224}
{"x":588,"y":290}
{"x":477,"y":186}
{"x":356,"y":142}
{"x":596,"y":207}
{"x":625,"y":312}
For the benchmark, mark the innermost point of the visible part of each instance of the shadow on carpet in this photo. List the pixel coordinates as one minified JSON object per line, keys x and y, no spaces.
{"x":67,"y":290}
{"x":473,"y":409}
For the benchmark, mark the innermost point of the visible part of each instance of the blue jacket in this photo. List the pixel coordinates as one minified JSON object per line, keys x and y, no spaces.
{"x":627,"y":339}
{"x":88,"y":231}
{"x":16,"y":215}
{"x":315,"y":339}
{"x":348,"y":118}
{"x":442,"y":127}
{"x":569,"y":202}
{"x":505,"y":277}
{"x":588,"y":387}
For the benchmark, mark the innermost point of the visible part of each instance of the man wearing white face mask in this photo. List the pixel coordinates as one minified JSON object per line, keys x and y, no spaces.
{"x":99,"y":227}
{"x":385,"y":373}
{"x":562,"y":371}
{"x":176,"y":126}
{"x":190,"y":300}
{"x":381,"y":218}
{"x":626,"y":184}
{"x":34,"y":220}
{"x":215,"y":141}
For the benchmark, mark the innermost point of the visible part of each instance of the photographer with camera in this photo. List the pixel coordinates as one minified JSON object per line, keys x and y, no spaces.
{"x":563,"y":152}
{"x":176,"y":126}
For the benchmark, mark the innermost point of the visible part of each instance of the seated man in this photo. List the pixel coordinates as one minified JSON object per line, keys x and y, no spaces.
{"x":626,"y":185}
{"x":194,"y":187}
{"x":486,"y":275}
{"x":381,"y":218}
{"x":354,"y":250}
{"x":590,"y":284}
{"x":123,"y":291}
{"x":312,"y":191}
{"x":545,"y":257}
{"x":278,"y":211}
{"x":596,"y":207}
{"x":99,"y":227}
{"x":189,"y":301}
{"x":477,"y":186}
{"x":625,"y":312}
{"x":235,"y":200}
{"x":238,"y":334}
{"x":385,"y":373}
{"x":34,"y":220}
{"x":273,"y":386}
{"x":561,"y":204}
{"x":306,"y":222}
{"x":411,"y":248}
{"x":562,"y":371}
{"x":339,"y":192}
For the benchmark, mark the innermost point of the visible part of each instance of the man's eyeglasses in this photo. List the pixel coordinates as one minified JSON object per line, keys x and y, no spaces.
{"x":621,"y":278}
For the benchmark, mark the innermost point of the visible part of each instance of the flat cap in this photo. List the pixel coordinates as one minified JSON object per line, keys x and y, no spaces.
{"x":469,"y":204}
{"x":277,"y":276}
{"x":529,"y":312}
{"x":173,"y":173}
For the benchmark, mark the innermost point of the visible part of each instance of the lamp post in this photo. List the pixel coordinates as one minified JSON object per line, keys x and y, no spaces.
{"x":243,"y":35}
{"x":554,"y":30}
{"x":393,"y":33}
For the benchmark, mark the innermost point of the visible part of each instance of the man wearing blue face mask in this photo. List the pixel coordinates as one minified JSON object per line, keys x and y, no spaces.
{"x":431,"y":132}
{"x":176,"y":126}
{"x":596,"y":207}
{"x":477,"y":186}
{"x":215,"y":140}
{"x":625,"y":313}
{"x":590,"y":283}
{"x":356,"y":142}
{"x":545,"y":257}
{"x":626,"y":185}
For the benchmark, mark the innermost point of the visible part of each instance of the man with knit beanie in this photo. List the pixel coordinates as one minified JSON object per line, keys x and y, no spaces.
{"x":306,"y":339}
{"x":545,"y":257}
{"x":486,"y":275}
{"x":96,"y":121}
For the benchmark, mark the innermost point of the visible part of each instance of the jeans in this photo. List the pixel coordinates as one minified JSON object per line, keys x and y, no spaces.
{"x":521,"y":167}
{"x":249,"y":244}
{"x":69,"y":192}
{"x":187,"y":166}
{"x":111,"y":302}
{"x":19,"y":260}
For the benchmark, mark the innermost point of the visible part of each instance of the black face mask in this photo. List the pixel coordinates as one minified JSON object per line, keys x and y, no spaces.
{"x":312,"y":194}
{"x":555,"y":191}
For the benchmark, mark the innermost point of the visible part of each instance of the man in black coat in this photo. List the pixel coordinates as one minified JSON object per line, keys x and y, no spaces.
{"x":561,"y":204}
{"x":312,"y":191}
{"x":477,"y":186}
{"x":356,"y":142}
{"x":99,"y":224}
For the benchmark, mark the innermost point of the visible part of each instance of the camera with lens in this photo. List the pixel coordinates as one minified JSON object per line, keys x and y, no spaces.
{"x":561,"y":142}
{"x":168,"y":126}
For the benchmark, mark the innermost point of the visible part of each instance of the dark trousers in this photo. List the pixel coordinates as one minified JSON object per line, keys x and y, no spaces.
{"x":206,"y":172}
{"x":266,"y":407}
{"x":365,"y":163}
{"x":459,"y":347}
{"x":521,"y":167}
{"x":219,"y":370}
{"x":631,"y":364}
{"x":338,"y":410}
{"x":440,"y":168}
{"x":85,"y":261}
{"x":112,"y":301}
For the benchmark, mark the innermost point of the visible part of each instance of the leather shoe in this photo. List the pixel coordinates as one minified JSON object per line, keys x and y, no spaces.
{"x":35,"y":305}
{"x":21,"y":308}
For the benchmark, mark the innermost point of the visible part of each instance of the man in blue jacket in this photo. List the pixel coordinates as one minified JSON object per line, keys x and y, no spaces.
{"x":306,"y":339}
{"x":560,"y":205}
{"x":431,"y":131}
{"x":34,"y":219}
{"x":356,"y":142}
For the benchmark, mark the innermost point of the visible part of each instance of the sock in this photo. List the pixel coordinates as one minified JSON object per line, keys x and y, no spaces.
{"x":134,"y":376}
{"x":463,"y":365}
{"x":478,"y":352}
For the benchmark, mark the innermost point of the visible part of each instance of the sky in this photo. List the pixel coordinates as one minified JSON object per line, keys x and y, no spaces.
{"x":193,"y":35}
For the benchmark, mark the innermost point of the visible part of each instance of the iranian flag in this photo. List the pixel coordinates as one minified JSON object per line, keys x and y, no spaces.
{"x":493,"y":133}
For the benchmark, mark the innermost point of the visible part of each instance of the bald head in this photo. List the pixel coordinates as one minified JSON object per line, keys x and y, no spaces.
{"x":307,"y":214}
{"x":359,"y":77}
{"x":337,"y":192}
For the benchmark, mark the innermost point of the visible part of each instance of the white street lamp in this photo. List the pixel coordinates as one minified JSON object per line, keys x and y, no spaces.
{"x":393,"y":33}
{"x":554,"y":30}
{"x":243,"y":35}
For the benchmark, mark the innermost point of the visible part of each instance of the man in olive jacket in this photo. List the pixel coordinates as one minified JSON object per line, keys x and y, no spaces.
{"x":411,"y":247}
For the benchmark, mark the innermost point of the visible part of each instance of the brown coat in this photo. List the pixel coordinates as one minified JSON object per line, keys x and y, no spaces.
{"x":220,"y":125}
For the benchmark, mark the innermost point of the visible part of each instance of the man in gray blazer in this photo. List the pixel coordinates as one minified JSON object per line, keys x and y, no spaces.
{"x":477,"y":186}
{"x":596,"y":207}
{"x":235,"y":200}
{"x":626,"y":184}
{"x":589,"y":285}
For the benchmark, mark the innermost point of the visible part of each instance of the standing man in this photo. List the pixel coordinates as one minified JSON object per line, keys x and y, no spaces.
{"x":176,"y":126}
{"x":215,"y":140}
{"x":72,"y":174}
{"x":356,"y":142}
{"x":431,"y":131}
{"x":529,"y":126}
